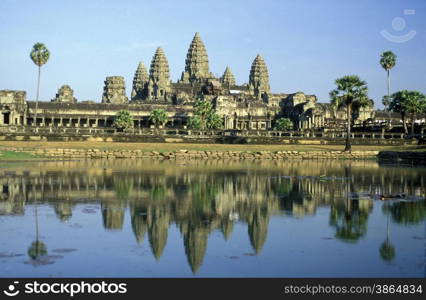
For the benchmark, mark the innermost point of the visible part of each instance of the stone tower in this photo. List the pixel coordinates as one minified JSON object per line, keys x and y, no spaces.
{"x":159,"y":81}
{"x":114,"y":90}
{"x":227,"y":77}
{"x":259,"y":78}
{"x":140,"y":80}
{"x":65,"y":94}
{"x":197,"y":62}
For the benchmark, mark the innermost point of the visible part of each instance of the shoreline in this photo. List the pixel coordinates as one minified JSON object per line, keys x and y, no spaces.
{"x":48,"y":151}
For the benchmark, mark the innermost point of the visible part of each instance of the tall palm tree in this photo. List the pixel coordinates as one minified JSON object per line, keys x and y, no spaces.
{"x":39,"y":55}
{"x":37,"y":249}
{"x":387,"y":250}
{"x":388,"y":61}
{"x":351,"y":92}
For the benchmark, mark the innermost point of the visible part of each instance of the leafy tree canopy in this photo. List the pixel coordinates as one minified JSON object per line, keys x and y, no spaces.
{"x":123,"y":119}
{"x":39,"y":54}
{"x":205,"y":116}
{"x":349,"y":89}
{"x":387,"y":60}
{"x":283,"y":124}
{"x":158,"y":117}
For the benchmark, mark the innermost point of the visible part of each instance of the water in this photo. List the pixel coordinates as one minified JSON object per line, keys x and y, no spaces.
{"x":126,"y":218}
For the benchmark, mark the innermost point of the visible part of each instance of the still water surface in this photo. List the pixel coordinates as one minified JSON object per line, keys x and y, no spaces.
{"x":127,"y":218}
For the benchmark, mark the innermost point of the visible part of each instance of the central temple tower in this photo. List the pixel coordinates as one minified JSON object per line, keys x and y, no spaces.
{"x":196,"y":63}
{"x":259,"y":78}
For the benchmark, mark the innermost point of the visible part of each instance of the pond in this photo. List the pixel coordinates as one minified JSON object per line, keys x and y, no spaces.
{"x":211,"y":218}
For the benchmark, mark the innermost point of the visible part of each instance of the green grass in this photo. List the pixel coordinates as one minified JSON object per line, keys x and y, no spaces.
{"x":12,"y":155}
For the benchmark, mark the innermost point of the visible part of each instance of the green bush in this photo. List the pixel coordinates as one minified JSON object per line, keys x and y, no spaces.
{"x":194,"y":122}
{"x":123,"y":120}
{"x":283,"y":124}
{"x":205,"y":116}
{"x":158,"y":117}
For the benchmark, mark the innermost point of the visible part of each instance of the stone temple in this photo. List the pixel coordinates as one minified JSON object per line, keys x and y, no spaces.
{"x":249,"y":106}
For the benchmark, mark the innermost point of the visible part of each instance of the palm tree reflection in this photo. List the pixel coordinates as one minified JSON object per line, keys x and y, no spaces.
{"x":350,"y":217}
{"x":37,"y":250}
{"x":387,"y":250}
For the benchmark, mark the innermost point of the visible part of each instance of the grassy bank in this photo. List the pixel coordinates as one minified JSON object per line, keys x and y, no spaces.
{"x":13,"y":156}
{"x":167,"y":147}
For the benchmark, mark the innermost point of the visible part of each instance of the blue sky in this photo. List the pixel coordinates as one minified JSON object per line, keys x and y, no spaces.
{"x":306,"y":44}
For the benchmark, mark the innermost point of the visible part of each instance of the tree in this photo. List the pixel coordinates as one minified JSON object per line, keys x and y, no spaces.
{"x":158,"y":117}
{"x":407,"y":212}
{"x":123,"y":120}
{"x":194,"y":122}
{"x":205,"y":116}
{"x":214,"y":121}
{"x":387,"y":250}
{"x":203,"y":109}
{"x":388,"y":61}
{"x":283,"y":124}
{"x":415,"y":103}
{"x":386,"y":100}
{"x":37,"y":250}
{"x":351,"y":91}
{"x":39,"y":55}
{"x":395,"y":105}
{"x":408,"y":103}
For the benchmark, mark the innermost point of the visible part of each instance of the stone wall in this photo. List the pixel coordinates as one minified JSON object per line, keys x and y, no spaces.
{"x":187,"y":154}
{"x":186,"y":136}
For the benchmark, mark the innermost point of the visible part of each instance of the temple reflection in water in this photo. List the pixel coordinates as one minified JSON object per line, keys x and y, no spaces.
{"x":201,"y":197}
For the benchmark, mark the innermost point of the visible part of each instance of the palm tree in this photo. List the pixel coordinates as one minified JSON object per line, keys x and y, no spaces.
{"x":388,"y":61}
{"x":387,"y":250}
{"x":351,"y":92}
{"x":158,"y":117}
{"x":37,"y":249}
{"x":39,"y":55}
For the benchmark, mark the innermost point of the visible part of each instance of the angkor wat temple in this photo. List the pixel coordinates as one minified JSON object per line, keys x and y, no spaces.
{"x":249,"y":106}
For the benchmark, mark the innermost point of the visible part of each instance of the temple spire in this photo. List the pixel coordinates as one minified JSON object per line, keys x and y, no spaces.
{"x":195,"y":243}
{"x":259,"y":77}
{"x":197,"y":62}
{"x":227,"y":77}
{"x":139,"y":81}
{"x":159,"y":78}
{"x":114,"y":90}
{"x":159,"y":69}
{"x":258,"y":230}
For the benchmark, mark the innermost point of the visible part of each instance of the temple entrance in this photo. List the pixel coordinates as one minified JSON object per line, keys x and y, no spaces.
{"x":6,"y":118}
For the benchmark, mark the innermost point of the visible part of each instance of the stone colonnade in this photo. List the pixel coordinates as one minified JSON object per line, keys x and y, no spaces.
{"x":95,"y":121}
